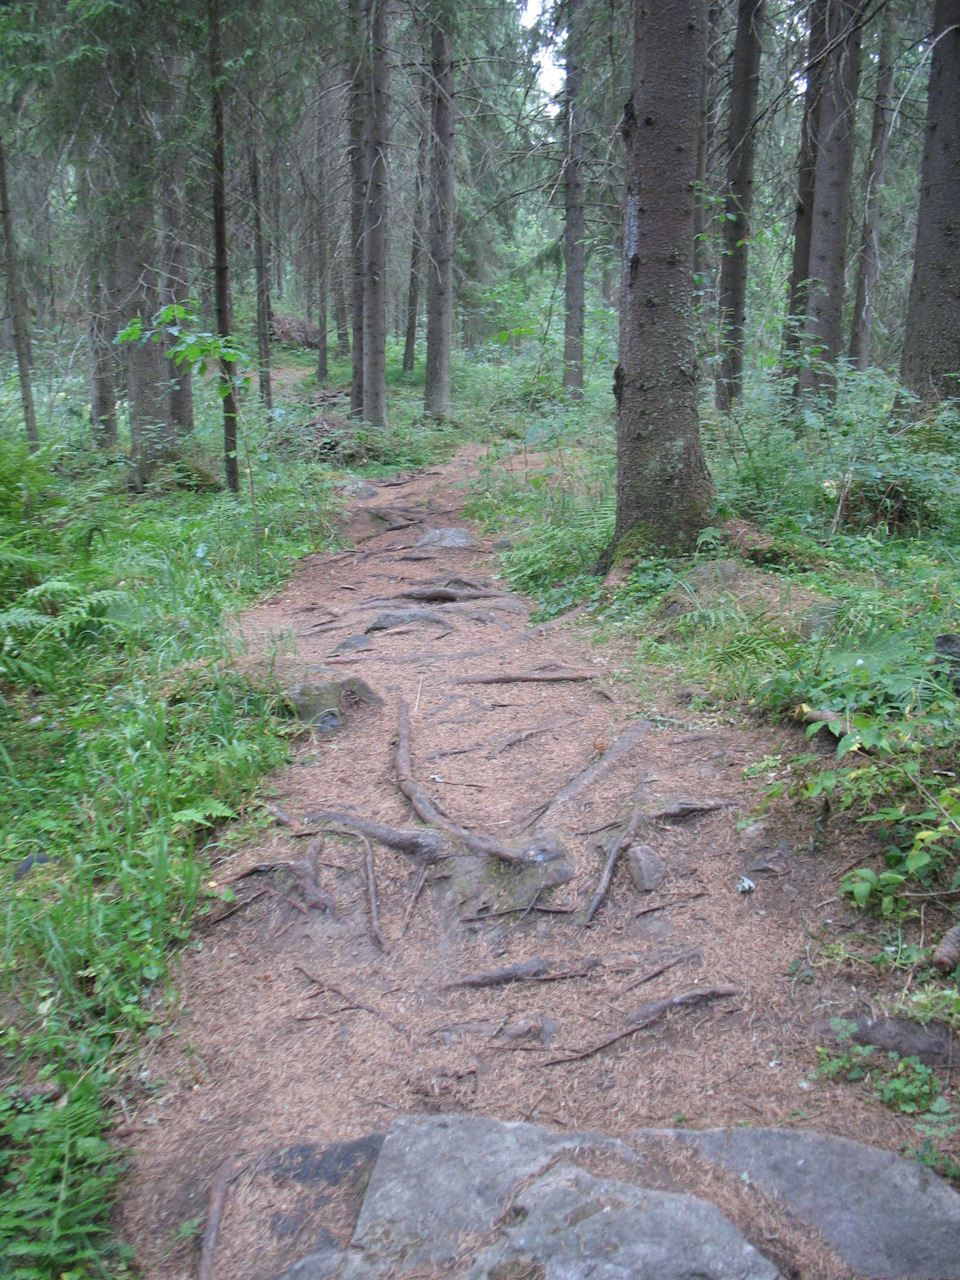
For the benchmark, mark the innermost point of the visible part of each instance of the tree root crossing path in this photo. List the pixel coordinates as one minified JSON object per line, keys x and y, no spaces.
{"x":508,"y":873}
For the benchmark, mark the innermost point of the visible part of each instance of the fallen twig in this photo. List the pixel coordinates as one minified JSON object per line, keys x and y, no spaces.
{"x":510,"y":911}
{"x":425,"y":808}
{"x":515,"y":739}
{"x":643,"y":1017}
{"x":304,"y":877}
{"x":525,"y":970}
{"x":239,"y":906}
{"x":626,"y":742}
{"x":617,"y":845}
{"x":417,"y":888}
{"x":662,"y":968}
{"x":323,"y":985}
{"x":686,"y":809}
{"x":295,"y":827}
{"x":218,"y":1198}
{"x":528,"y":677}
{"x":673,"y":902}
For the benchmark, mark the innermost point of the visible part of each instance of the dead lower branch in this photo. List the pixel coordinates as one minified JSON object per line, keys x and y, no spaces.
{"x":643,"y":1017}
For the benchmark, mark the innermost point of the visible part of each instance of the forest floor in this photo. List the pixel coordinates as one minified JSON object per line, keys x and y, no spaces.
{"x":297,"y":1029}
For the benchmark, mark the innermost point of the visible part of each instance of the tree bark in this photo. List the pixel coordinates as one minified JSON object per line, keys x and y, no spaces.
{"x":375,"y":225}
{"x":806,"y":174}
{"x":663,"y":488}
{"x":322,"y":253}
{"x":358,"y":192}
{"x":341,"y":312}
{"x":868,"y":257}
{"x":573,"y":223}
{"x":839,"y":87}
{"x":151,"y":427}
{"x":931,"y":348}
{"x":221,"y":266}
{"x":100,"y":234}
{"x":419,"y":215}
{"x":703,"y":215}
{"x":175,"y":289}
{"x":741,"y":148}
{"x":263,"y":282}
{"x":436,"y":398}
{"x":17,"y":307}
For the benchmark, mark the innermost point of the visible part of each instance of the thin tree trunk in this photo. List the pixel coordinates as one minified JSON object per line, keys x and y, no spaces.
{"x":868,"y":258}
{"x":100,"y":235}
{"x":322,"y":256}
{"x":703,"y":216}
{"x":18,"y":311}
{"x":663,"y":488}
{"x":806,"y":174}
{"x":741,"y":146}
{"x":341,"y":312}
{"x":831,"y":197}
{"x":277,"y":192}
{"x":573,"y":218}
{"x":931,"y":348}
{"x":151,"y":427}
{"x":375,"y":225}
{"x":358,"y":192}
{"x":263,"y":282}
{"x":175,"y":285}
{"x":419,"y":215}
{"x":221,"y":266}
{"x":436,"y":398}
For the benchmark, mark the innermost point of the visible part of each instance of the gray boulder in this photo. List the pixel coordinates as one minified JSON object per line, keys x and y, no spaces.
{"x":888,"y":1217}
{"x":454,"y":538}
{"x":647,"y":869}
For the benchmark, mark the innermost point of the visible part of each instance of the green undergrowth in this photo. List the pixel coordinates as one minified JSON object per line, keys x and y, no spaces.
{"x":129,"y":734}
{"x":860,"y":503}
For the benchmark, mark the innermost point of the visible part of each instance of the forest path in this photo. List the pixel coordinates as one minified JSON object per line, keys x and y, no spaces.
{"x":263,"y":1060}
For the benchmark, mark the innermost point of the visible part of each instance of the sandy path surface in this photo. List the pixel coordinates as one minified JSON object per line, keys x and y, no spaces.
{"x":297,"y":1030}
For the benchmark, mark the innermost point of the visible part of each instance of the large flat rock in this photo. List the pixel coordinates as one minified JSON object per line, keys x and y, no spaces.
{"x":890,"y":1218}
{"x":573,"y":1226}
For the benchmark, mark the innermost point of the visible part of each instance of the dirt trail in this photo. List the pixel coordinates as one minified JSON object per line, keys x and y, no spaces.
{"x":265,"y":1061}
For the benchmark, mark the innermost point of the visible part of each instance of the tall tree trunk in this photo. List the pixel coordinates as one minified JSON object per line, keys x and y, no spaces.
{"x":277,"y":192}
{"x":741,"y":147}
{"x":703,"y":217}
{"x":322,"y":253}
{"x":868,"y":258}
{"x":18,"y":311}
{"x":375,"y":224}
{"x":151,"y":427}
{"x":806,"y":174}
{"x":221,"y":267}
{"x":263,"y":282}
{"x":419,"y":216}
{"x":358,"y":191}
{"x":931,"y":348}
{"x":436,"y":397}
{"x":573,"y":219}
{"x":663,"y":488}
{"x":175,"y":284}
{"x":839,"y":88}
{"x":100,"y":234}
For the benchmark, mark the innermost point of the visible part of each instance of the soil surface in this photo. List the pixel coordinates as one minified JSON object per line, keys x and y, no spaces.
{"x":297,"y":1030}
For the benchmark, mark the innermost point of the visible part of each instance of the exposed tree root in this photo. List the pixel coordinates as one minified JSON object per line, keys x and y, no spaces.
{"x":425,"y":808}
{"x":687,"y":808}
{"x":371,"y":875}
{"x":615,"y":848}
{"x":643,"y":1017}
{"x":418,"y":844}
{"x":626,"y":742}
{"x":227,"y":1172}
{"x":323,"y":985}
{"x":525,"y":970}
{"x":683,"y":958}
{"x":527,"y":677}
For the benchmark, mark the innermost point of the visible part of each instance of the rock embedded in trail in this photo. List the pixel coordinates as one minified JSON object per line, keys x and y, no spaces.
{"x":888,"y":1217}
{"x":320,"y":702}
{"x":647,"y":869}
{"x":453,"y":538}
